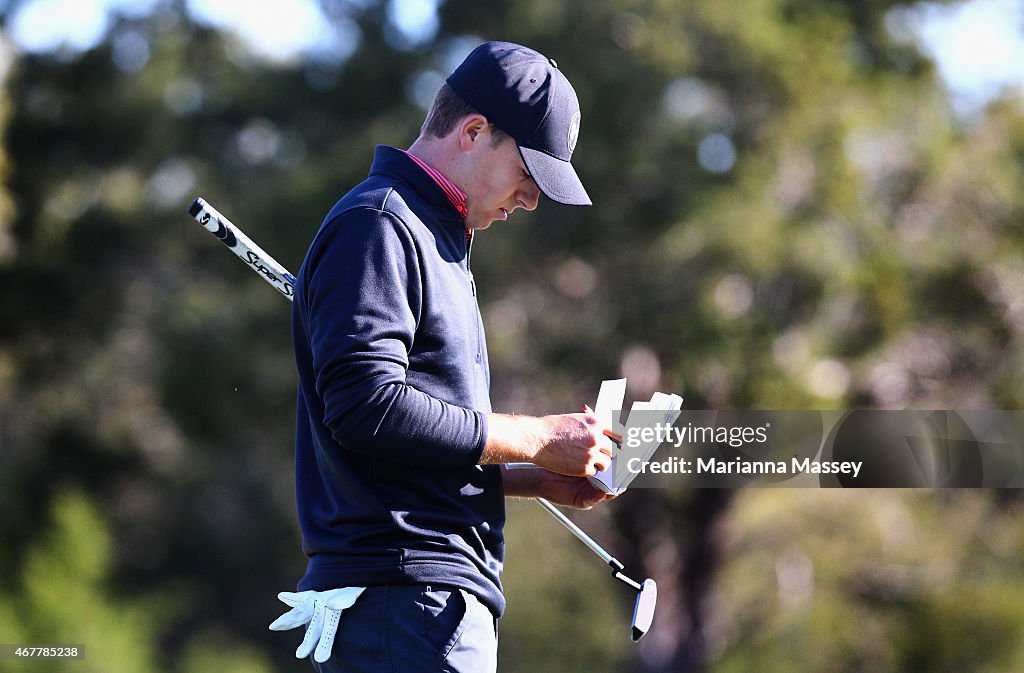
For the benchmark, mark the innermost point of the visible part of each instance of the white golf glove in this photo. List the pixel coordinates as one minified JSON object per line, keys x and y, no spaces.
{"x":321,"y":610}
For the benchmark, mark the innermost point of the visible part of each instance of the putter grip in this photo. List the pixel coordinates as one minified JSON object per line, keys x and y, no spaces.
{"x":243,"y":247}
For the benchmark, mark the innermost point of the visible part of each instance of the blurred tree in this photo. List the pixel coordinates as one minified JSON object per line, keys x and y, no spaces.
{"x":129,"y":368}
{"x":915,"y":582}
{"x":62,"y":596}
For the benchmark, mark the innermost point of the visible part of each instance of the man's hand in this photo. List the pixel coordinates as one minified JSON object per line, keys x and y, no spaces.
{"x":536,"y":482}
{"x":569,"y":444}
{"x":321,"y":610}
{"x":575,"y":492}
{"x":576,"y":446}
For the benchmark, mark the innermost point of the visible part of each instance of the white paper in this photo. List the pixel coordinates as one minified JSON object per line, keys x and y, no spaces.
{"x":609,"y":403}
{"x":607,"y":408}
{"x":617,"y":478}
{"x":670,"y":406}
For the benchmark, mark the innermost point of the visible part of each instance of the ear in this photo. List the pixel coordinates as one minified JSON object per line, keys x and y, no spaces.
{"x":471,"y":129}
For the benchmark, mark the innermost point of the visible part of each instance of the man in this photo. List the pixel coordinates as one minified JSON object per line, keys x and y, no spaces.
{"x":399,"y":482}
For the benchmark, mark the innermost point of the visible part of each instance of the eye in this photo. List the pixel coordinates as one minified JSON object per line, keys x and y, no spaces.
{"x":524,"y":174}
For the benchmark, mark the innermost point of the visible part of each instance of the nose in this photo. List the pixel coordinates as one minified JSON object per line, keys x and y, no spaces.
{"x":529,"y":196}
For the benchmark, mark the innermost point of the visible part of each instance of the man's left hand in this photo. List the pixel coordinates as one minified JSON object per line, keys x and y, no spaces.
{"x":575,"y":492}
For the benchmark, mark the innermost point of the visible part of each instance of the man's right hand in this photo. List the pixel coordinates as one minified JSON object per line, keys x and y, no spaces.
{"x":569,"y":444}
{"x":576,"y":446}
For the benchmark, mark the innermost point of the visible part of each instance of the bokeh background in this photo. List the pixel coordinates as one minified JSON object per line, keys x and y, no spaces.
{"x":798,"y":205}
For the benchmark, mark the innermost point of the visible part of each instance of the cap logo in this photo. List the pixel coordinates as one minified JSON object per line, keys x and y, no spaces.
{"x":574,"y":132}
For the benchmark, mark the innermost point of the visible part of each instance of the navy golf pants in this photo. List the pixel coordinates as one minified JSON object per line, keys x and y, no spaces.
{"x":414,"y":629}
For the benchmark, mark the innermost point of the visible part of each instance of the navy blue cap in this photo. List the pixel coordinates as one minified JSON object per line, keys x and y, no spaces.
{"x":524,"y":94}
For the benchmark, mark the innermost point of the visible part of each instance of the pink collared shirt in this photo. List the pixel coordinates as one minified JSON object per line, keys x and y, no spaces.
{"x":454,"y":194}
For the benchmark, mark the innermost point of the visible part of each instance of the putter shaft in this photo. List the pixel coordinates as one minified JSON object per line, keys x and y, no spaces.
{"x":615,"y":564}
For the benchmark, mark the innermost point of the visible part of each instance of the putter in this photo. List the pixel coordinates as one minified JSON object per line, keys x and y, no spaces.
{"x":284,"y":282}
{"x":646,"y":592}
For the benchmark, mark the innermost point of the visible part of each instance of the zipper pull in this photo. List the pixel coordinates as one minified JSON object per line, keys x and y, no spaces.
{"x":469,"y":252}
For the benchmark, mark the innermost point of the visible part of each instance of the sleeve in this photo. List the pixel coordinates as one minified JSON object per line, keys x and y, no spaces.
{"x":362,"y":303}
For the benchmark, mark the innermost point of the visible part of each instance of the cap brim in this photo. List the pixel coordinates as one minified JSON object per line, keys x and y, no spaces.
{"x":556,"y":178}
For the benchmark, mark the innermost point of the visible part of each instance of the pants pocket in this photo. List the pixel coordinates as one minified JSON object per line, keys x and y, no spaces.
{"x":444,"y":619}
{"x":474,"y":648}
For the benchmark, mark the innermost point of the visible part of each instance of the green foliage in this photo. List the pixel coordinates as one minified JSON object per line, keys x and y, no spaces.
{"x":217,"y":653}
{"x":63,"y":596}
{"x":558,"y":593}
{"x":836,"y":581}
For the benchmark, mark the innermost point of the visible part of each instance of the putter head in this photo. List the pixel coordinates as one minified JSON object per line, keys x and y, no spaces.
{"x":643,"y":611}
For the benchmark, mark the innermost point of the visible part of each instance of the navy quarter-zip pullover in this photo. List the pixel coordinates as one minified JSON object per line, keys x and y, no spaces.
{"x":393,"y":388}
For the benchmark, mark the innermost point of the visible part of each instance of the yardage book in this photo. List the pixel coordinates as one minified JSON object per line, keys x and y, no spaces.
{"x":661,"y":408}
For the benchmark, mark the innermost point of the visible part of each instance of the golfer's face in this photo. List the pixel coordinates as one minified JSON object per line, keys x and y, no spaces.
{"x":499,"y":185}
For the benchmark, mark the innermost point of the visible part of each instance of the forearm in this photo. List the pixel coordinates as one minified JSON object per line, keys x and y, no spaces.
{"x":404,"y":425}
{"x":569,"y":444}
{"x":523,"y":482}
{"x":513,"y":439}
